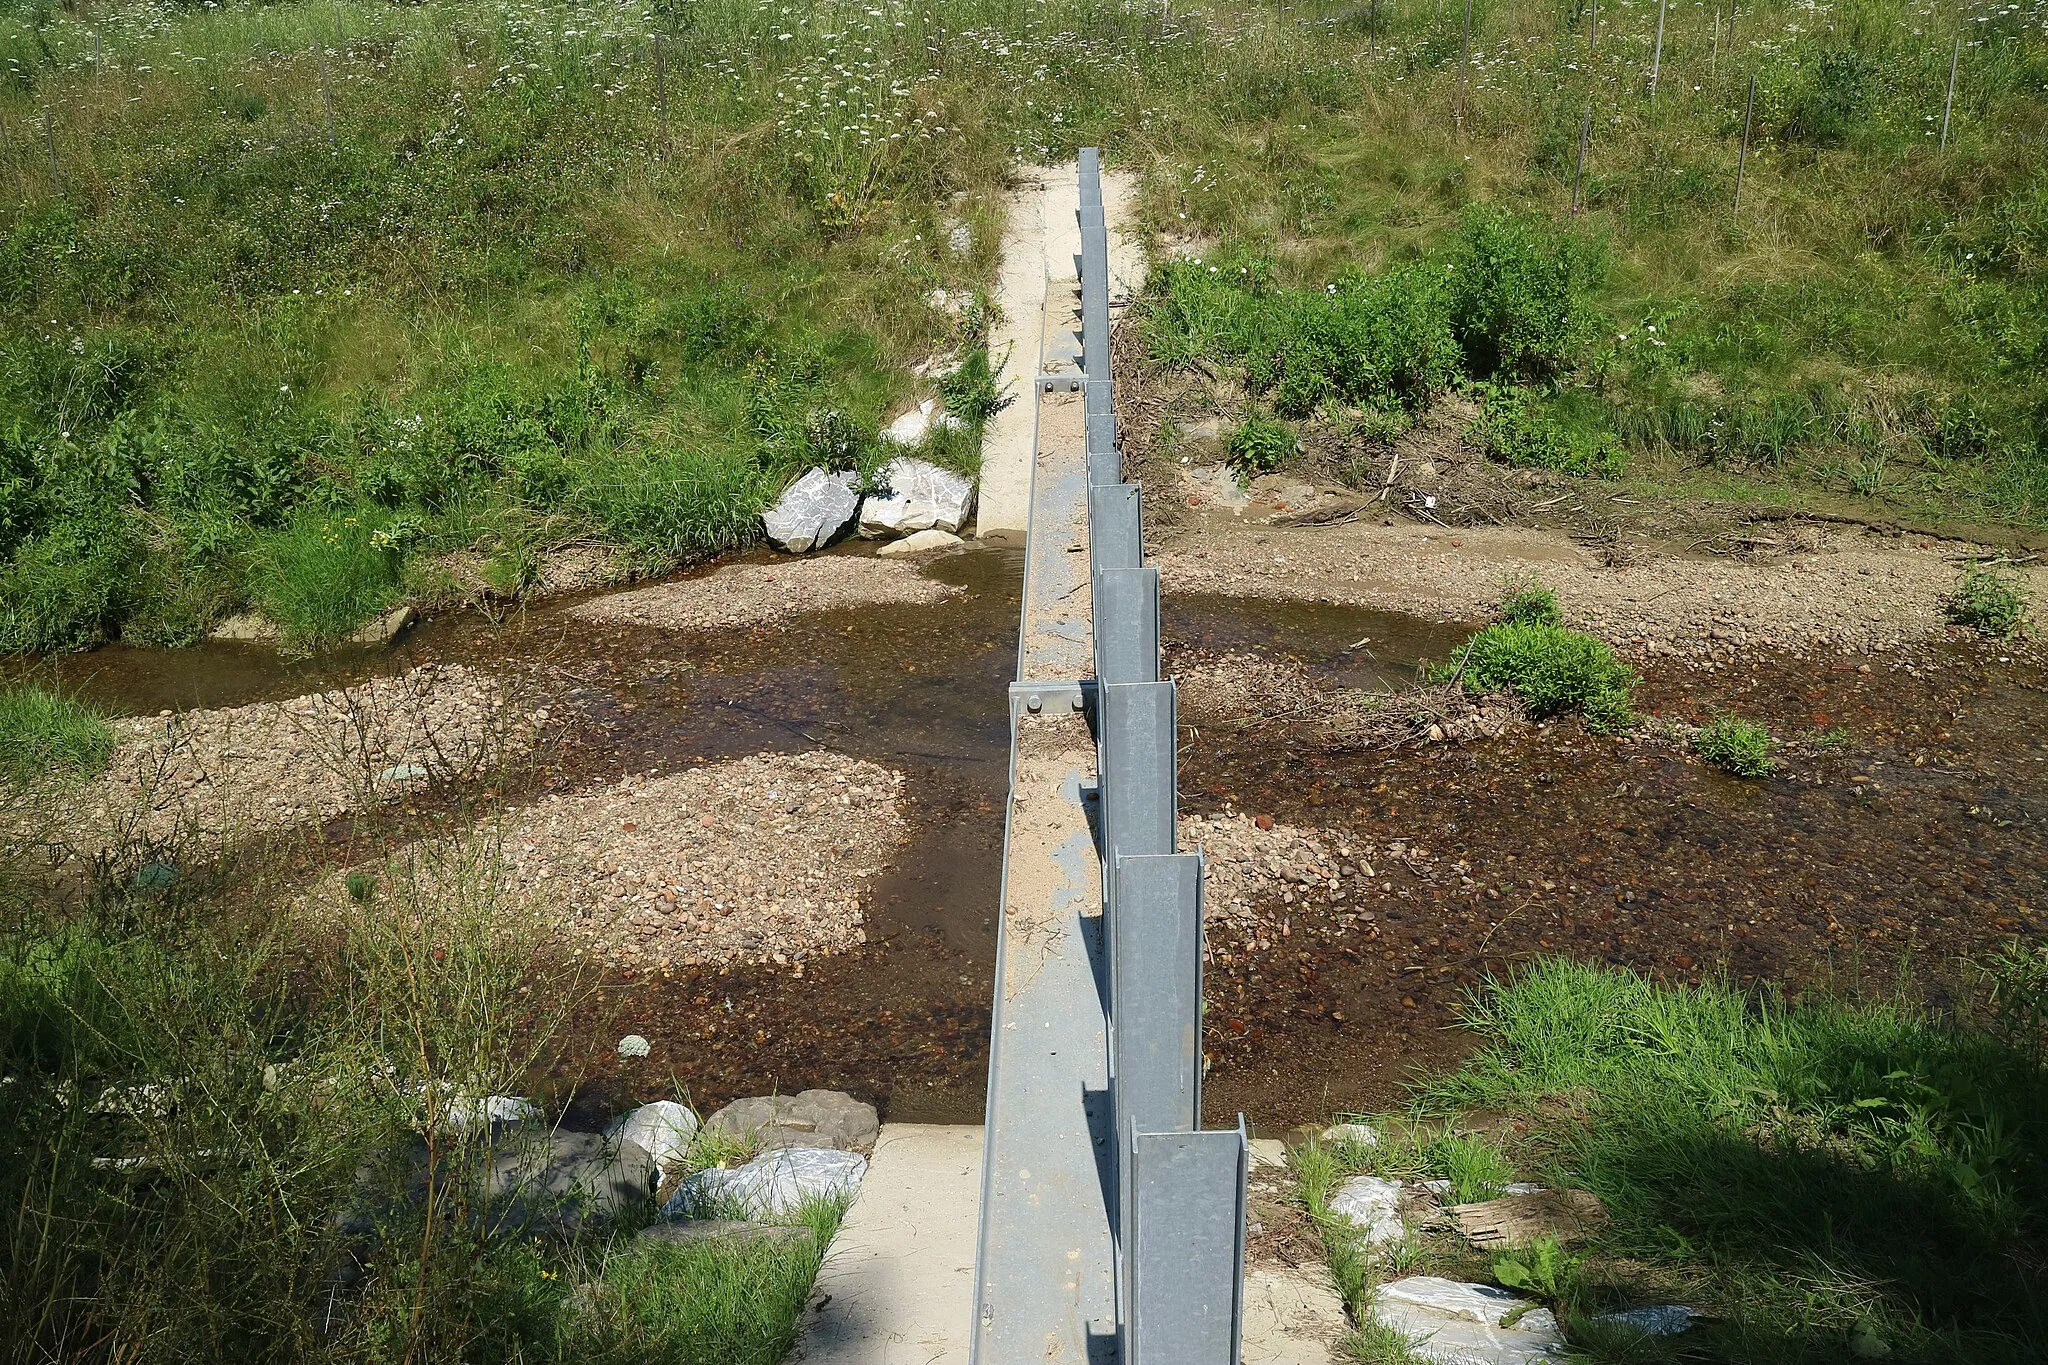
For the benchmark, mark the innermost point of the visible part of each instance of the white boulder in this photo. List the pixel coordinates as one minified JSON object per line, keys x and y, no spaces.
{"x":1373,"y":1206}
{"x":812,"y":511}
{"x":664,"y":1128}
{"x":774,"y":1184}
{"x":916,"y":495}
{"x":1358,"y":1134}
{"x":465,"y":1112}
{"x":1453,"y":1323}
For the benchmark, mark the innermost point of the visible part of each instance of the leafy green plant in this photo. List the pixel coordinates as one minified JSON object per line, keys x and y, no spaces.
{"x":1527,"y":602}
{"x":1989,"y":601}
{"x":1739,"y":746}
{"x":1544,"y":1269}
{"x":971,"y":390}
{"x":1552,"y":670}
{"x":325,"y":574}
{"x":44,"y":732}
{"x":1260,"y":445}
{"x":1521,"y":295}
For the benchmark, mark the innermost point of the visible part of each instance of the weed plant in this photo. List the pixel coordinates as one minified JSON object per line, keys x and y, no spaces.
{"x":1554,"y":670}
{"x":1737,"y":746}
{"x":1526,"y":602}
{"x":1259,"y":445}
{"x":1988,"y":601}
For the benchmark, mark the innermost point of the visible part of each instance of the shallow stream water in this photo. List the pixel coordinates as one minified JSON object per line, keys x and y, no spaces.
{"x":1915,"y":833}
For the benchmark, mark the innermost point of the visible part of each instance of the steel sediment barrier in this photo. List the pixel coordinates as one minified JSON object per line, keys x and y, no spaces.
{"x":1095,"y":1053}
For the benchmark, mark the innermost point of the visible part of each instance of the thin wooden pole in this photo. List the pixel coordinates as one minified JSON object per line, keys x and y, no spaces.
{"x":1593,"y":29}
{"x":1464,"y":63}
{"x":50,"y":141}
{"x":1714,"y":61}
{"x":1579,"y":171}
{"x":1949,"y":105}
{"x":1657,"y":57}
{"x":1372,"y":31}
{"x":1742,"y":162}
{"x":661,"y":89}
{"x":326,"y":89}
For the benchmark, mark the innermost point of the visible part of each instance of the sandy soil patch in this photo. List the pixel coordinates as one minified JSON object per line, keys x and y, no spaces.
{"x":761,"y":859}
{"x":1858,"y":591}
{"x":277,"y":764}
{"x":743,"y":595}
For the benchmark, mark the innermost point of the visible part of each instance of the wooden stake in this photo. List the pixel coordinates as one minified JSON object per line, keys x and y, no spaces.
{"x":1948,"y":107}
{"x":1579,"y":172}
{"x":50,"y":141}
{"x":1742,"y":162}
{"x":661,"y":88}
{"x":1464,"y":62}
{"x":1372,"y":31}
{"x":1714,"y":61}
{"x":1657,"y":57}
{"x":326,"y":89}
{"x":1593,"y":29}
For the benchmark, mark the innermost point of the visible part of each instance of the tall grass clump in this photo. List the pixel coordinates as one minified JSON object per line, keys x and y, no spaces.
{"x":44,"y":733}
{"x":1737,"y":746}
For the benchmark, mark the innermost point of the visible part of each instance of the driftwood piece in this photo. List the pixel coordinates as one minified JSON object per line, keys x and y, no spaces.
{"x":1518,"y":1219}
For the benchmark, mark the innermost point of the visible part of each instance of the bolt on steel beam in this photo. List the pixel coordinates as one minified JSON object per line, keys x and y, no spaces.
{"x":1126,"y":608}
{"x":1116,"y":527}
{"x":1183,"y":1261}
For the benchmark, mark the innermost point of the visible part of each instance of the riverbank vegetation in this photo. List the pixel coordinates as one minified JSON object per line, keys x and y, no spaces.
{"x":1542,"y":214}
{"x":1823,"y":1179}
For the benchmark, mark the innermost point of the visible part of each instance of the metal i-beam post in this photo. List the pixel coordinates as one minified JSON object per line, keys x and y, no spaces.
{"x":1127,"y":626}
{"x":1184,"y":1249}
{"x":1139,"y":769}
{"x":1156,"y":968}
{"x":1116,"y":528}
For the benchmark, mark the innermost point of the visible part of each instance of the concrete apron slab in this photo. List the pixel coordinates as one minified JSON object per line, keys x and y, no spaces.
{"x":897,"y":1286}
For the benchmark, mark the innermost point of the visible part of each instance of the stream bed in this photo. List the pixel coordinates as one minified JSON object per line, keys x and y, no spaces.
{"x":1902,"y":834}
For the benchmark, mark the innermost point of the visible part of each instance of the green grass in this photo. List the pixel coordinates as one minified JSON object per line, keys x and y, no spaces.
{"x":1867,"y":328}
{"x":1819,"y":1177}
{"x":1737,"y":746}
{"x":1552,"y":669}
{"x":1989,"y":601}
{"x":43,"y":733}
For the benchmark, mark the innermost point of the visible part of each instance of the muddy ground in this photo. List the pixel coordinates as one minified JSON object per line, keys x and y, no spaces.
{"x":1371,"y":885}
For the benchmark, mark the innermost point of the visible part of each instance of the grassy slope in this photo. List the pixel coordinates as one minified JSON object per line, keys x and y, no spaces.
{"x":1869,"y":326}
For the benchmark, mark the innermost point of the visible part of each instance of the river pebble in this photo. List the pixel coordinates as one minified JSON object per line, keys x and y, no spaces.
{"x":276,"y":764}
{"x":760,"y":859}
{"x":745,"y":595}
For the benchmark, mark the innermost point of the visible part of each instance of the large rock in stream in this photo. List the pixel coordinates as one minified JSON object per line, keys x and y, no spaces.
{"x":812,"y":511}
{"x":916,"y":495}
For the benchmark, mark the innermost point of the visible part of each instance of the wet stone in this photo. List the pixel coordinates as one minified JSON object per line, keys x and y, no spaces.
{"x":813,"y":1118}
{"x":916,"y":495}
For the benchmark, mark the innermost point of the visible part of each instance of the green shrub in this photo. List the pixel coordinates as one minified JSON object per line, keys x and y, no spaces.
{"x":42,"y":731}
{"x":1741,"y":747}
{"x":69,"y":585}
{"x":1989,"y":601}
{"x":1552,"y":670}
{"x":1520,"y":428}
{"x":1260,"y":445}
{"x":1521,"y":295}
{"x":1543,"y":1269}
{"x":1527,"y":602}
{"x":326,"y":573}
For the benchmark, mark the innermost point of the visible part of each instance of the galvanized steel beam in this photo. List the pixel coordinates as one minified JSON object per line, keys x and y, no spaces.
{"x":1127,"y":625}
{"x":1116,"y":527}
{"x":1184,"y":1251}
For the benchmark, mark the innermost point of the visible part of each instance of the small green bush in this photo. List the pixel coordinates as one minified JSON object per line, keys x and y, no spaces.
{"x":1553,"y":670}
{"x":971,"y":390}
{"x":326,"y":573}
{"x":1543,"y":1268}
{"x":1521,"y":295}
{"x":1527,"y":602}
{"x":1260,"y":445}
{"x":1741,"y":747}
{"x":1988,"y":601}
{"x":41,"y":732}
{"x":1519,"y":428}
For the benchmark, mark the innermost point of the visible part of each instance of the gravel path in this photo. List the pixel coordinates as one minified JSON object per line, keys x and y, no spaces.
{"x":744,"y":595}
{"x":760,"y":859}
{"x":277,"y":764}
